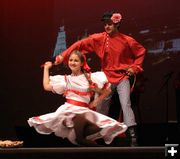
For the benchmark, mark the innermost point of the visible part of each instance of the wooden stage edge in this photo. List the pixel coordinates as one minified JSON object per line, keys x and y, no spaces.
{"x":83,"y":152}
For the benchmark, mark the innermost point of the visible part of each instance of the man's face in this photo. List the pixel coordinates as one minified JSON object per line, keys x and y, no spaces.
{"x":110,"y":27}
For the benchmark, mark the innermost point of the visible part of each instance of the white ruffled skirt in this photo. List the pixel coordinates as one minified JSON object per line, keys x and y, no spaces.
{"x":61,"y":123}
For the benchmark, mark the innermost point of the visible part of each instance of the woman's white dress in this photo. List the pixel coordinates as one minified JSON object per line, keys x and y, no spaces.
{"x":75,"y":88}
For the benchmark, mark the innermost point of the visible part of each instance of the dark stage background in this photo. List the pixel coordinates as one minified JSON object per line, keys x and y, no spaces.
{"x":28,"y":32}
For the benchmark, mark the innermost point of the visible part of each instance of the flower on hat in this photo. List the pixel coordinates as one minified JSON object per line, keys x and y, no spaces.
{"x":116,"y":17}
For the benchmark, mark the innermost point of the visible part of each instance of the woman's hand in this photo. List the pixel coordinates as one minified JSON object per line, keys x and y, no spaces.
{"x":102,"y":95}
{"x":46,"y":77}
{"x":48,"y":65}
{"x":94,"y":104}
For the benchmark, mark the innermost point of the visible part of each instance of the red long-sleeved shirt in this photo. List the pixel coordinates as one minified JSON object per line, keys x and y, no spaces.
{"x":116,"y":52}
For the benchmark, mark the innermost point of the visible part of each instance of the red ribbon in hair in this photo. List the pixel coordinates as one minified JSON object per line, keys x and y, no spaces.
{"x":86,"y":66}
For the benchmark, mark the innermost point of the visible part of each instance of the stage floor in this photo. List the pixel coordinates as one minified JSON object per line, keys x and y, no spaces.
{"x":83,"y":152}
{"x":152,"y":140}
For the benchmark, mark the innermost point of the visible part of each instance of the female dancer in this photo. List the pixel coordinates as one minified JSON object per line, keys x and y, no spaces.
{"x":74,"y":119}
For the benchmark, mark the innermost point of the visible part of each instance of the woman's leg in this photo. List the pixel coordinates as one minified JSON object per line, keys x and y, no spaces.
{"x":83,"y":127}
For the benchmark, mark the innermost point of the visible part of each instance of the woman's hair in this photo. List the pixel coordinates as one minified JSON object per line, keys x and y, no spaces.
{"x":79,"y":54}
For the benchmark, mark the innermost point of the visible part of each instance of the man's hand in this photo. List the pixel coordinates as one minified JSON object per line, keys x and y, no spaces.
{"x":59,"y":59}
{"x":130,"y":72}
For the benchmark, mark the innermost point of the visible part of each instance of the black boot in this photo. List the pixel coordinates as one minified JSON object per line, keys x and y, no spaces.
{"x":133,"y":135}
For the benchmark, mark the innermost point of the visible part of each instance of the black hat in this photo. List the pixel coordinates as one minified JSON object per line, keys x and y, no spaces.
{"x":115,"y":17}
{"x":107,"y":15}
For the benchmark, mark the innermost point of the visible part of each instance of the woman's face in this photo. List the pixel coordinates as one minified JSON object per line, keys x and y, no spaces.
{"x":74,"y":63}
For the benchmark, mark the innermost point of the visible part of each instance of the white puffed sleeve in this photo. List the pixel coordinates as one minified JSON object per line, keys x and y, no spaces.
{"x":100,"y":79}
{"x":58,"y":83}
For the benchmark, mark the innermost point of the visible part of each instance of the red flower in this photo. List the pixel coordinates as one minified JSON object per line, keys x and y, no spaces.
{"x":116,"y":17}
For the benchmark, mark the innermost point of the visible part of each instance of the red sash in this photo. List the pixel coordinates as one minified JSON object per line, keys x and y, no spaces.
{"x":77,"y":103}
